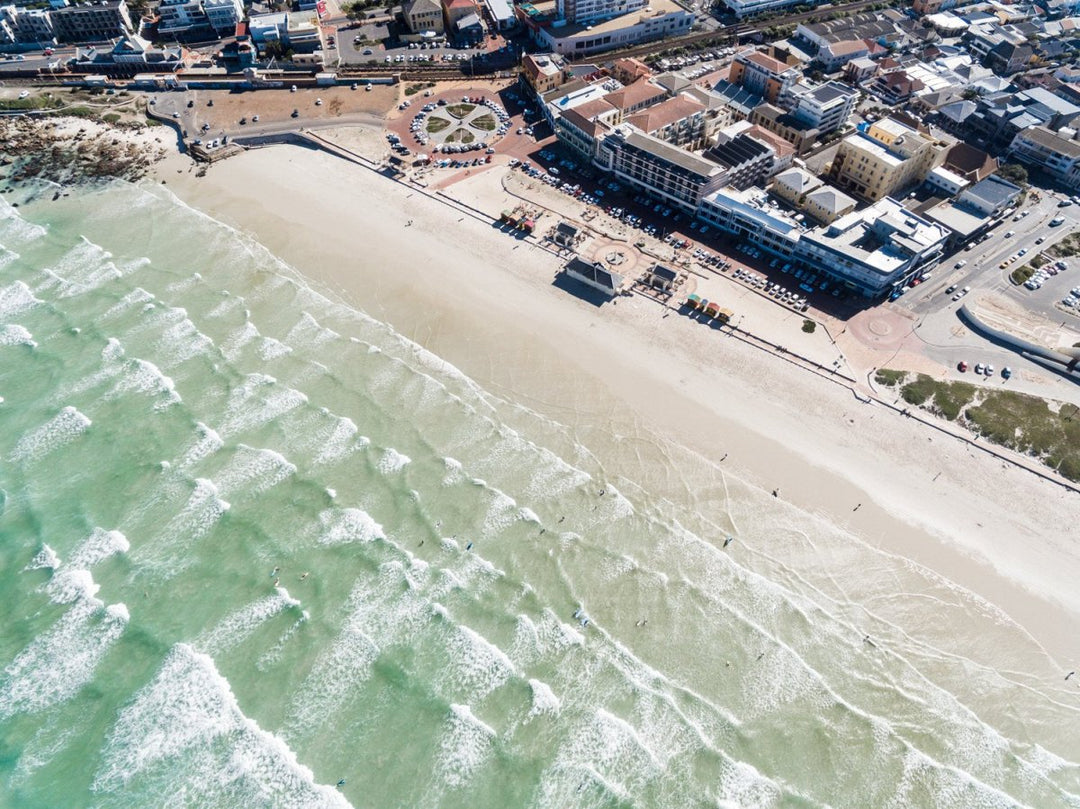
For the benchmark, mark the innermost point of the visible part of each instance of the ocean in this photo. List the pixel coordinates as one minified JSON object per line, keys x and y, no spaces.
{"x":258,"y":549}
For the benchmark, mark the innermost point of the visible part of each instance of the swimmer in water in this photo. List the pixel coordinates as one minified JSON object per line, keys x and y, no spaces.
{"x":577,"y":612}
{"x":274,"y":572}
{"x":304,"y":575}
{"x":728,"y":541}
{"x":468,"y":547}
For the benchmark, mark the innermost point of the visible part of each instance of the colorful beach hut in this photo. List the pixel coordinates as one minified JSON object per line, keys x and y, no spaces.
{"x":693,"y":301}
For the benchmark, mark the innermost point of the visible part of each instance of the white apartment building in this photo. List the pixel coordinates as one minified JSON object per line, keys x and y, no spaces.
{"x":679,"y":178}
{"x":825,"y":107}
{"x":1058,"y":157}
{"x":177,"y":16}
{"x":583,"y":11}
{"x":223,"y":15}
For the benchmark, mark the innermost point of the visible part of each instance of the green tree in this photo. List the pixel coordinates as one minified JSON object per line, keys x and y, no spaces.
{"x":1014,"y":173}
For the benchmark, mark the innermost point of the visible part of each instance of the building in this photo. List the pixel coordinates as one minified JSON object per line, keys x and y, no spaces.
{"x":543,"y":71}
{"x":584,"y":11}
{"x":658,"y":20}
{"x":176,"y":17}
{"x":970,"y":163}
{"x":1007,"y":58}
{"x":868,"y":252}
{"x":860,"y":69}
{"x":810,"y":195}
{"x":746,"y":160}
{"x":628,"y":71}
{"x":763,"y":75}
{"x":265,"y":28}
{"x":895,"y":87}
{"x":25,"y":26}
{"x":922,"y":7}
{"x":595,"y":275}
{"x":825,"y":107}
{"x":93,"y":22}
{"x":773,"y":119}
{"x":1043,"y":149}
{"x":679,"y":121}
{"x":128,"y":57}
{"x":876,"y":250}
{"x":884,"y":158}
{"x":834,"y":55}
{"x":456,"y":10}
{"x":636,"y":97}
{"x":990,"y":196}
{"x":424,"y":15}
{"x":223,"y":15}
{"x":880,"y":27}
{"x":747,"y":8}
{"x":999,"y":117}
{"x":673,"y":175}
{"x":947,"y":183}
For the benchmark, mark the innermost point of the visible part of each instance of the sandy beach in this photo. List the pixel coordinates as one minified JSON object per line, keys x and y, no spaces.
{"x":632,"y":379}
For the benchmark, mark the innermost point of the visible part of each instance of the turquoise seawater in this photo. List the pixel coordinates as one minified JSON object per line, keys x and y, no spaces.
{"x":254,"y":542}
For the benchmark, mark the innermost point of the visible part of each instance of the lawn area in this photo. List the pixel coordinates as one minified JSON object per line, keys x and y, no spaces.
{"x":460,"y":135}
{"x":485,"y":122}
{"x":437,"y":124}
{"x":460,"y":110}
{"x":1048,"y":431}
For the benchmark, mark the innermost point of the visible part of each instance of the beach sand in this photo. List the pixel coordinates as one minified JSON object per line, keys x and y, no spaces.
{"x":659,"y":399}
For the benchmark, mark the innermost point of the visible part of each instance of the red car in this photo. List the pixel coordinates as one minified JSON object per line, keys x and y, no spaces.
{"x":962,"y":366}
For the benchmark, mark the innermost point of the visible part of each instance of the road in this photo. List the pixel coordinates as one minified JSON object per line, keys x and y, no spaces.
{"x":933,"y":313}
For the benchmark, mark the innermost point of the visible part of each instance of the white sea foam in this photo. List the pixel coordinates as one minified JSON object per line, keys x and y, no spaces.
{"x":341,"y":440}
{"x":392,"y":461}
{"x":206,"y":443}
{"x":15,"y":299}
{"x":140,"y":376}
{"x":339,"y":526}
{"x":181,"y":341}
{"x":258,"y":400}
{"x":454,"y":473}
{"x":61,"y":660}
{"x":61,"y":429}
{"x":15,"y":335}
{"x":69,"y":584}
{"x":135,"y":299}
{"x":308,"y":333}
{"x":168,"y":552}
{"x":85,"y":267}
{"x":474,"y":666}
{"x":251,"y":471}
{"x":544,"y":700}
{"x":184,"y":733}
{"x":241,"y":624}
{"x":234,"y":344}
{"x":465,"y":747}
{"x":45,"y":558}
{"x":13,"y":228}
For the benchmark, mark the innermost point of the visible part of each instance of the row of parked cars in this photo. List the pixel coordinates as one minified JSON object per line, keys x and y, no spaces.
{"x":1072,"y":300}
{"x":773,"y":289}
{"x":984,"y":369}
{"x":1043,"y":274}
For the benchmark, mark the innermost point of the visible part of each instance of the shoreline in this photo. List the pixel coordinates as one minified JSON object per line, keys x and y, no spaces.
{"x":824,"y":457}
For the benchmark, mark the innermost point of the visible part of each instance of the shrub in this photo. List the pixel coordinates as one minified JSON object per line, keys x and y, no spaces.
{"x":886,"y":376}
{"x":809,"y":326}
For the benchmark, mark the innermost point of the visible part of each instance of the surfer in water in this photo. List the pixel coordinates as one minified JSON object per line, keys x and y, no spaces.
{"x":728,"y":541}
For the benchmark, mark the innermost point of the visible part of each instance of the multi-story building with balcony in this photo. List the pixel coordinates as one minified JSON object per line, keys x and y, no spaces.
{"x":763,"y":75}
{"x":92,"y":22}
{"x":678,"y":177}
{"x":1046,"y":150}
{"x":884,"y":158}
{"x":825,"y":107}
